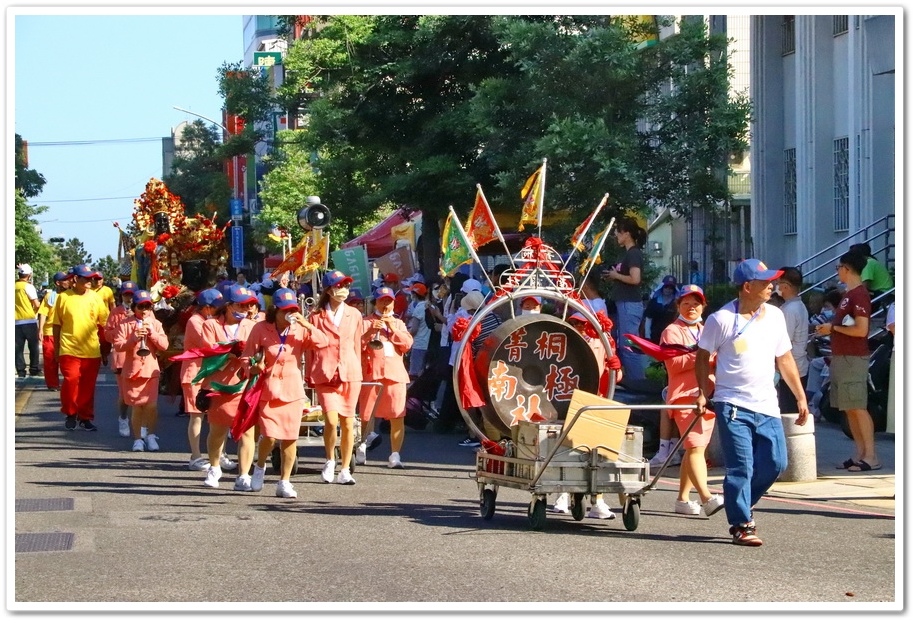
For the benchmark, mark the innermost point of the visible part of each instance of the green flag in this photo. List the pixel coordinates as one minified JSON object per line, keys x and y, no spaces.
{"x":455,"y":249}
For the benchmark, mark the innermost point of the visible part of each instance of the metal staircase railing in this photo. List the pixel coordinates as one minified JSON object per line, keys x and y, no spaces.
{"x":820,"y":268}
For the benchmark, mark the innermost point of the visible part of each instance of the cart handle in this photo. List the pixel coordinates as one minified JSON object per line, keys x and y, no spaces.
{"x":568,"y":427}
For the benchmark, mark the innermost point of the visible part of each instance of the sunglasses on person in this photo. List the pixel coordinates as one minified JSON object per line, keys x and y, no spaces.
{"x":144,"y":306}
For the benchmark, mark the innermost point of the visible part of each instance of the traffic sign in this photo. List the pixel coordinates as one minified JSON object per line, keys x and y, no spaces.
{"x":236,"y":209}
{"x":238,"y":247}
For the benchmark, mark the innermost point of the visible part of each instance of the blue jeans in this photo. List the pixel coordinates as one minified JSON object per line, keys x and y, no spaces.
{"x":634,"y":364}
{"x":754,"y":448}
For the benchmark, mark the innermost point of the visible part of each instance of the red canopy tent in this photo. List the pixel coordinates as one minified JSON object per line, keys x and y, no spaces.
{"x":378,"y":240}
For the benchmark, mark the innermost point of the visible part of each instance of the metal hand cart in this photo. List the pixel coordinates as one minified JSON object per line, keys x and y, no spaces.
{"x":543,"y":466}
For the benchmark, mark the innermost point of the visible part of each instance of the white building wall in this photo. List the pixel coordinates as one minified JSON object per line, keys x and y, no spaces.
{"x":828,"y":88}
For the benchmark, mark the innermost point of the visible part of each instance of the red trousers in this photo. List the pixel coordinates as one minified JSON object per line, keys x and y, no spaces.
{"x":52,"y":380}
{"x":77,"y":393}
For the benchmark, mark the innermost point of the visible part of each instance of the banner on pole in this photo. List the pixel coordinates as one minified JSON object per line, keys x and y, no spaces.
{"x":354,"y":262}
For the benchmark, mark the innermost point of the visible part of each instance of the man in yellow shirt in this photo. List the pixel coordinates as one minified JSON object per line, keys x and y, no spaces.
{"x":46,"y":330}
{"x":98,"y":285}
{"x":26,"y":300}
{"x":79,"y":313}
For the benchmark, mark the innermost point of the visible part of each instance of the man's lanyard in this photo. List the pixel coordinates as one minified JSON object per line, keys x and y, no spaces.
{"x":743,"y":329}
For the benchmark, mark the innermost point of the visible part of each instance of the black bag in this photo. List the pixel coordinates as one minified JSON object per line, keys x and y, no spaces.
{"x":202,"y":400}
{"x":430,"y":319}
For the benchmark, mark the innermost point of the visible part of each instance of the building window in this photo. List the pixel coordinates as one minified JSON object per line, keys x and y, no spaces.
{"x":841,"y":184}
{"x":788,"y":34}
{"x":790,"y":194}
{"x":840,"y":25}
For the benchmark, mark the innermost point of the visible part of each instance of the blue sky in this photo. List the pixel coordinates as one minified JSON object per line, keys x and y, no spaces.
{"x":104,"y":78}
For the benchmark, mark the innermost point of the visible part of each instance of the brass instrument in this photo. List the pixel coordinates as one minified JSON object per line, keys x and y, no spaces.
{"x":142,"y":351}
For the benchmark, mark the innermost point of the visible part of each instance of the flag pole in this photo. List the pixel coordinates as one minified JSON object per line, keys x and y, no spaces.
{"x":591,"y":219}
{"x":464,"y":238}
{"x":595,"y":251}
{"x":499,"y":232}
{"x":543,"y":182}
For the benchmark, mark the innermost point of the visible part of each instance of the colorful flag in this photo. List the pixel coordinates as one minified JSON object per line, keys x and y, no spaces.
{"x":455,"y":251}
{"x":294,"y":260}
{"x":316,"y":252}
{"x":276,"y":234}
{"x":579,"y":235}
{"x":594,"y":256}
{"x":481,"y":227}
{"x":533,"y":195}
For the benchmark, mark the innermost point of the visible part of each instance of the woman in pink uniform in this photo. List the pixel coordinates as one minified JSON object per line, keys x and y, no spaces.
{"x":116,"y":361}
{"x":230,"y":324}
{"x":682,"y":390}
{"x":140,"y":372}
{"x":274,"y":348}
{"x":335,"y":371}
{"x":385,"y":342}
{"x":208,"y":301}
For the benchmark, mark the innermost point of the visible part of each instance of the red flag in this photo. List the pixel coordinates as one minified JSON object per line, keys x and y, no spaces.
{"x":481,"y":227}
{"x":294,"y":260}
{"x":248,"y":414}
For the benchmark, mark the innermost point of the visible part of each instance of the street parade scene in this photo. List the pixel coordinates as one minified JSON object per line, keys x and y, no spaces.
{"x":573,"y":399}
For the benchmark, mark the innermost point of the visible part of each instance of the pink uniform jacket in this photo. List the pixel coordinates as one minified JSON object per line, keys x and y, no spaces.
{"x":682,"y":380}
{"x":343,"y":351}
{"x":284,"y":380}
{"x":125,"y":341}
{"x":214,"y":331}
{"x":193,"y":338}
{"x":117,"y":315}
{"x":376,"y":366}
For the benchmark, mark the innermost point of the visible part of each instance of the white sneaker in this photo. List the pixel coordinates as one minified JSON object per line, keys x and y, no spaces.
{"x":200,"y":464}
{"x":142,"y":432}
{"x":243,"y":483}
{"x":562,"y":504}
{"x":213,"y":476}
{"x":327,"y":474}
{"x":370,"y":438}
{"x":344,"y":477}
{"x":394,"y":461}
{"x":660,"y":457}
{"x":124,"y":427}
{"x":686,"y":508}
{"x":285,"y":490}
{"x":713,"y":505}
{"x":361,"y":454}
{"x":152,"y":442}
{"x":601,"y":511}
{"x":257,"y":478}
{"x":139,"y":446}
{"x":227,"y":464}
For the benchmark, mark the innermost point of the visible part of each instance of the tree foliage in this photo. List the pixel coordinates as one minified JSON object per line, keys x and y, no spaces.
{"x":28,"y":181}
{"x":198,"y":174}
{"x":108,"y":266}
{"x":73,"y":252}
{"x":29,"y":246}
{"x":416,"y":110}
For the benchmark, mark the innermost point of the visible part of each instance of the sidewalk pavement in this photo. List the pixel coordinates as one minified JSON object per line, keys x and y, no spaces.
{"x":875,"y":489}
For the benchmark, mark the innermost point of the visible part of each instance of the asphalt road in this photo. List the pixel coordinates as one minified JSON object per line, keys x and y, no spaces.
{"x":144,"y":530}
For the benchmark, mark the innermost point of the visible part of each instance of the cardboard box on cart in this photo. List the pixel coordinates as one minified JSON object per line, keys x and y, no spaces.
{"x":605,"y":429}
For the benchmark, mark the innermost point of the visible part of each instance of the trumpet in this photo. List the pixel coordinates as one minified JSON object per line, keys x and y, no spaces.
{"x":142,"y":351}
{"x":376,"y":343}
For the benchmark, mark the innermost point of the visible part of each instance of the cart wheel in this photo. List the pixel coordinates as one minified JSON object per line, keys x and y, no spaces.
{"x":631,"y":514}
{"x":487,"y":503}
{"x":578,"y":507}
{"x":537,"y":513}
{"x":275,"y":461}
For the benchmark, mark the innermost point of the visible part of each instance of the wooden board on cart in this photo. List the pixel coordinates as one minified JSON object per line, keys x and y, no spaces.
{"x":596,"y":427}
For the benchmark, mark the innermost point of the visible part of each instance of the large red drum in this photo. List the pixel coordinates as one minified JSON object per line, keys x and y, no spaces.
{"x":530,"y":365}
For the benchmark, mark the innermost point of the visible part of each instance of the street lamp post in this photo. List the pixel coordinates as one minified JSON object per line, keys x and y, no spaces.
{"x":239,"y":202}
{"x":235,"y":159}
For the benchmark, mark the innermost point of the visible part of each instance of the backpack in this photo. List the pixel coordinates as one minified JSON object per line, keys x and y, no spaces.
{"x":430,"y":319}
